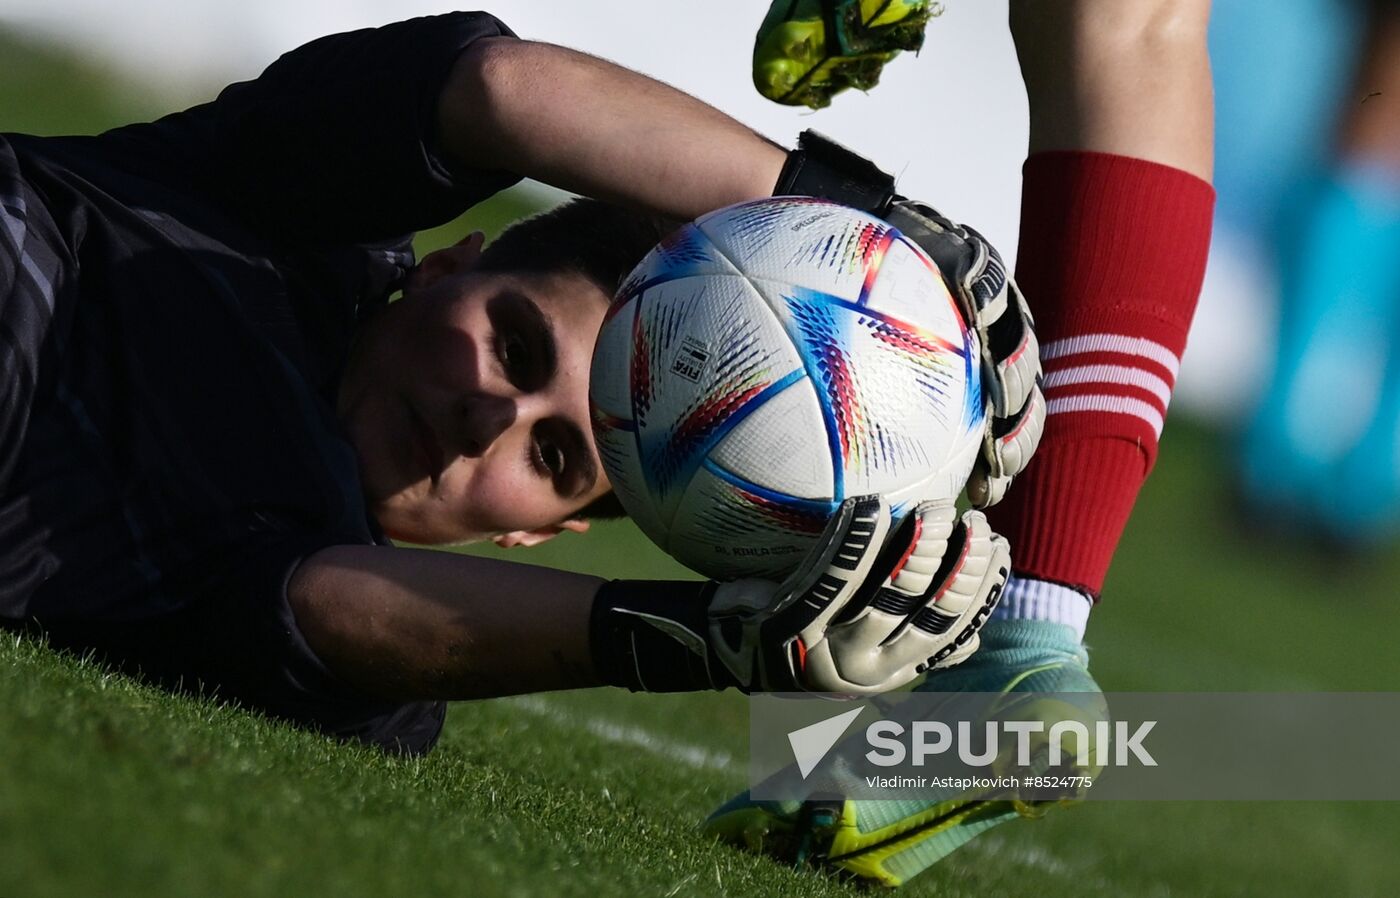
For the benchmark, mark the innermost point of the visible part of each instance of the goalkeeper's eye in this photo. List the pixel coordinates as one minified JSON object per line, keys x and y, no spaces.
{"x":547,"y":458}
{"x":514,"y":357}
{"x":523,"y":342}
{"x":559,"y":451}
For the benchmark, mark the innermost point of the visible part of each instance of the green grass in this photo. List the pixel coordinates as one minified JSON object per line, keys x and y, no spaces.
{"x":110,"y":788}
{"x":107,"y":787}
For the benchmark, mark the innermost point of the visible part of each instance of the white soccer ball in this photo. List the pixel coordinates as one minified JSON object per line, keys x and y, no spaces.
{"x":766,"y":362}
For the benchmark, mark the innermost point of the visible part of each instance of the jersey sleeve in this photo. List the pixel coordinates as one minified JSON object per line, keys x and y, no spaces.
{"x":242,"y":636}
{"x":237,"y":637}
{"x":34,"y":268}
{"x":335,"y":142}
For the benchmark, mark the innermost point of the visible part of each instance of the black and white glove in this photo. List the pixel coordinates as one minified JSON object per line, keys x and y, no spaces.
{"x":993,"y":306}
{"x":863,"y":614}
{"x":991,"y":303}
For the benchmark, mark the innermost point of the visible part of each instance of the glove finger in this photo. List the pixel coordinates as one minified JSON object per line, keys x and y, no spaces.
{"x":905,"y":587}
{"x":1018,"y":299}
{"x":1015,"y":355}
{"x":986,"y":594}
{"x":849,"y":656}
{"x":945,"y":626}
{"x":1007,"y":447}
{"x":784,"y":605}
{"x":985,"y":489}
{"x":986,"y":283}
{"x":834,"y":572}
{"x":913,"y":573}
{"x":1017,"y":437}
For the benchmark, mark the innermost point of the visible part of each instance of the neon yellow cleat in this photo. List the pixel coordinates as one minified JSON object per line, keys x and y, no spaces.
{"x":839,"y":836}
{"x":809,"y":50}
{"x":888,"y":842}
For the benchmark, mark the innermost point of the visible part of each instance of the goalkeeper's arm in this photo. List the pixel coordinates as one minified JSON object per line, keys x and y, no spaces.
{"x":867,"y":611}
{"x":595,"y":128}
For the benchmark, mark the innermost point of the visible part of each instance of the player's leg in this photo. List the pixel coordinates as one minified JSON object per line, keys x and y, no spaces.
{"x":1114,"y":232}
{"x":1115,"y":226}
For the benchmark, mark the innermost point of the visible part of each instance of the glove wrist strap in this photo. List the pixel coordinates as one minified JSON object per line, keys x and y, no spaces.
{"x":822,"y":168}
{"x":652,"y":636}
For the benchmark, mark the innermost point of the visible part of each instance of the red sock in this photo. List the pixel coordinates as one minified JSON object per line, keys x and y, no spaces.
{"x":1111,"y":258}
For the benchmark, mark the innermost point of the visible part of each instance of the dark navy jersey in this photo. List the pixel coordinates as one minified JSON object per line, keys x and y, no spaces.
{"x":177,"y":299}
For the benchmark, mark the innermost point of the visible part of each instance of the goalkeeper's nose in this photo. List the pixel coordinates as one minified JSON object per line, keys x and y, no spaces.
{"x":481,"y":418}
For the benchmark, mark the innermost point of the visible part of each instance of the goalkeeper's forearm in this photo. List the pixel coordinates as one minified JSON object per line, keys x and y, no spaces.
{"x":587,"y":125}
{"x":410,"y":624}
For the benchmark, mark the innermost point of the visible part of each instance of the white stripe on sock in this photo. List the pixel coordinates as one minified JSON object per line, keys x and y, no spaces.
{"x":1115,"y":404}
{"x":1139,"y":346}
{"x":1111,"y":374}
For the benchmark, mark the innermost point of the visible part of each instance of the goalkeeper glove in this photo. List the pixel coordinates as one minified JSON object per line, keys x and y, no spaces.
{"x":862,"y":614}
{"x":990,"y":302}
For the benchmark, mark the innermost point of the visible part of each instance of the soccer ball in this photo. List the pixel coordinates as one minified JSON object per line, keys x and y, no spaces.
{"x":766,"y":362}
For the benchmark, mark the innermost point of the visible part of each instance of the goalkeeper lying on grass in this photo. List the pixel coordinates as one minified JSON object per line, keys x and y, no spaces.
{"x":212,"y":420}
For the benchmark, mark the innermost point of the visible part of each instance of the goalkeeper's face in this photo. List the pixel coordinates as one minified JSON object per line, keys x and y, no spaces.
{"x":467,"y":404}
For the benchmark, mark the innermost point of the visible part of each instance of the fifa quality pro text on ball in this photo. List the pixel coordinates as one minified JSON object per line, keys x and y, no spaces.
{"x":769,"y":360}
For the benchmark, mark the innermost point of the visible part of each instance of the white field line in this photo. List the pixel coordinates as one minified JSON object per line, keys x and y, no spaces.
{"x":695,"y":756}
{"x":994,"y":849}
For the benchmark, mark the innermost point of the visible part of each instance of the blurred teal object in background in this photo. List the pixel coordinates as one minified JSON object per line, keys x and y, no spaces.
{"x":1281,"y":69}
